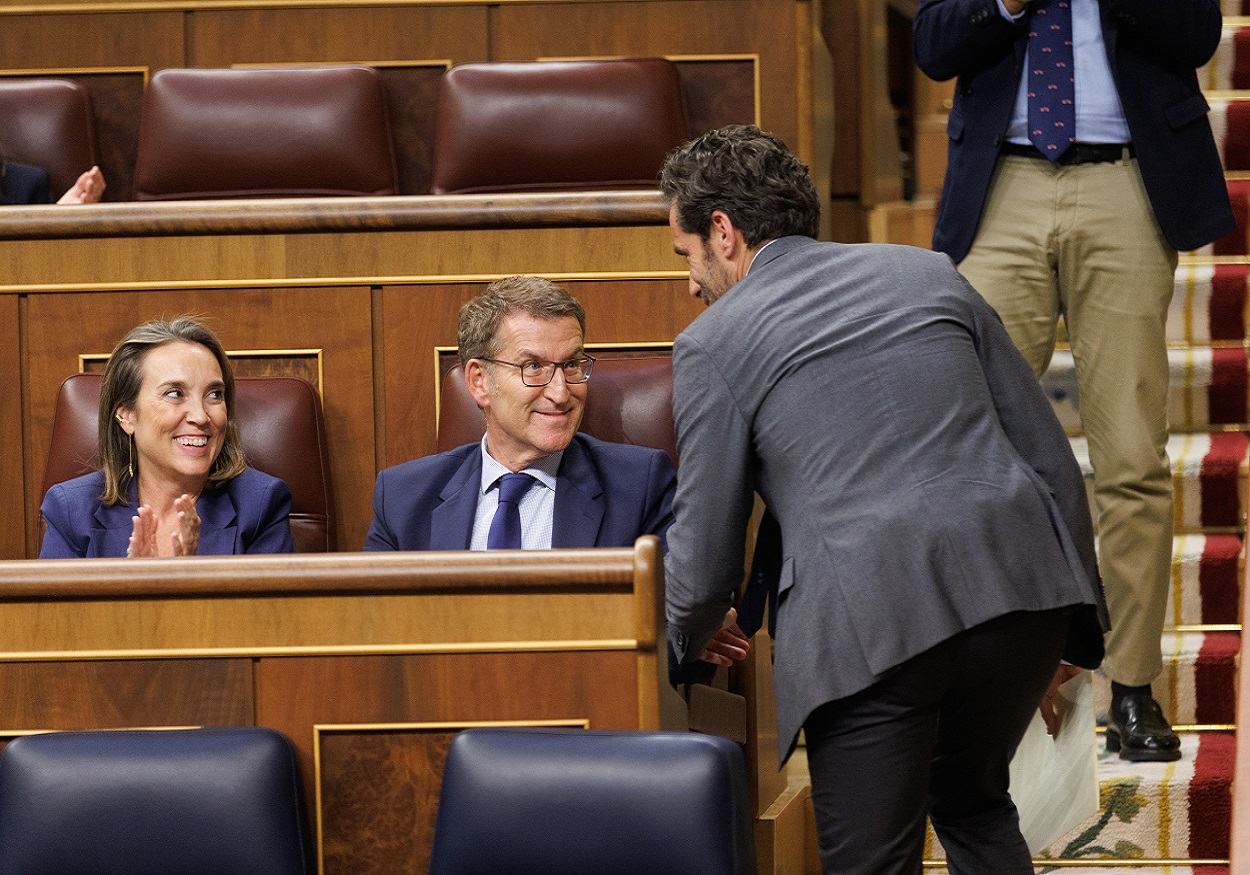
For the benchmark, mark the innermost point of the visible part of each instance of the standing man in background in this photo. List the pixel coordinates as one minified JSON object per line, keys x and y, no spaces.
{"x":936,"y":552}
{"x":1080,"y":161}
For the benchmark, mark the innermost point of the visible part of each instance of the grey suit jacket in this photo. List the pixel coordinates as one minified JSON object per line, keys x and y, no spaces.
{"x":920,"y":478}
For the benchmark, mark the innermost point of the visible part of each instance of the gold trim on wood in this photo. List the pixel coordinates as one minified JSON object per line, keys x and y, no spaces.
{"x":327,"y":282}
{"x":558,"y":646}
{"x":34,"y":72}
{"x":17,"y":733}
{"x":444,"y":63}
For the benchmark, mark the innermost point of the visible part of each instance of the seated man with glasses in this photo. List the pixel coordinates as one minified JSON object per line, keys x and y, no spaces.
{"x":532,"y":482}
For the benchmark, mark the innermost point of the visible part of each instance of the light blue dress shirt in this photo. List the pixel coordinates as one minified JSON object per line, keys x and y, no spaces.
{"x":537,"y":507}
{"x":1099,"y":114}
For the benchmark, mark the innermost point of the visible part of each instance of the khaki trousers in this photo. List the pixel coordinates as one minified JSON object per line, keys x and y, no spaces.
{"x":1082,"y":242}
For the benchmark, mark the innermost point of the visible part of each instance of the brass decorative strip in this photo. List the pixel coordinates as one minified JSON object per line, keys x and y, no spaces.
{"x":415,"y":64}
{"x":28,"y":72}
{"x":607,"y":644}
{"x":318,"y":282}
{"x":18,"y":733}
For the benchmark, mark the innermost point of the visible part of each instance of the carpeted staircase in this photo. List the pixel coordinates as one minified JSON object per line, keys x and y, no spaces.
{"x":1175,"y":818}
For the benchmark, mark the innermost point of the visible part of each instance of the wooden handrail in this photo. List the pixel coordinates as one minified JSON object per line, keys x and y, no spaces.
{"x":312,"y":215}
{"x":426,"y":573}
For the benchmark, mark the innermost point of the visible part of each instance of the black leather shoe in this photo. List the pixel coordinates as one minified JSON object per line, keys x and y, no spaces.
{"x":1139,"y":731}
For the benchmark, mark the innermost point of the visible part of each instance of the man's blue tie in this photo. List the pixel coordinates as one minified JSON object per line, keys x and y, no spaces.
{"x":505,"y":528}
{"x":1051,"y":88}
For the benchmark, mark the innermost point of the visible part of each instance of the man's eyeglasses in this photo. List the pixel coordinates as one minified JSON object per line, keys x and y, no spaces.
{"x":536,"y":374}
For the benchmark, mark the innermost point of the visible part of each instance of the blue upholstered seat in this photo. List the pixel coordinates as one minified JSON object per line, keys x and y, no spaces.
{"x":575,"y":802}
{"x":152,"y":802}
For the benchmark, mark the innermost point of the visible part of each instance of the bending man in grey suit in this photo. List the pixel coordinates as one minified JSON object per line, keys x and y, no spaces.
{"x":936,"y":556}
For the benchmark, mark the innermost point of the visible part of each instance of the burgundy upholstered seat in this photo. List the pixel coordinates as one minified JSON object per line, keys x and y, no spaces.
{"x":48,"y":122}
{"x":556,"y":125}
{"x":306,"y":131}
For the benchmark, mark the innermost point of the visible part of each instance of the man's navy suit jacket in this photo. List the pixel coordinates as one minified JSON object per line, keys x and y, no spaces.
{"x":607,"y":495}
{"x":24,"y":184}
{"x":1154,"y":48}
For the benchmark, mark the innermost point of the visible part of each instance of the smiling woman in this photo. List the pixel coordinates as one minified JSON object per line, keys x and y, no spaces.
{"x":173,"y":478}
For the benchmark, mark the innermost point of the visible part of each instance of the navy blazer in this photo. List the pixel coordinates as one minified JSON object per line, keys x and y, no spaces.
{"x":24,"y":184}
{"x":248,"y":515}
{"x":1154,"y":48}
{"x":607,"y":495}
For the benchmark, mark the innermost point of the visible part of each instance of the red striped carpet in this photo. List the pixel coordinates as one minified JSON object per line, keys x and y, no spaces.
{"x":1175,"y":818}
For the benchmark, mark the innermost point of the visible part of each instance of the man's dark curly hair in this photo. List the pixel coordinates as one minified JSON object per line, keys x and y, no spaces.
{"x":749,"y":175}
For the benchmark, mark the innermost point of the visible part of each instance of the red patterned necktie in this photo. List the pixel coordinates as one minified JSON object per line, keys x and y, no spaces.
{"x":1052,"y":114}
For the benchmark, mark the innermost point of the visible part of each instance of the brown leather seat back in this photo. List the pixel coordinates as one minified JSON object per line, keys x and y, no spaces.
{"x":556,"y":125}
{"x":308,"y":131}
{"x":48,"y":122}
{"x":629,"y":401}
{"x":283,"y":432}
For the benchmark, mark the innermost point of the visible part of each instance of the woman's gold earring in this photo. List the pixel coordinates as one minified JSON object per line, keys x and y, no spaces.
{"x":130,"y":446}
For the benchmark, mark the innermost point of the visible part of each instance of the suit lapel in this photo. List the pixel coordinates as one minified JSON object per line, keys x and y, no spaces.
{"x":579,"y":500}
{"x":112,"y":537}
{"x":451,"y":523}
{"x":218,"y":523}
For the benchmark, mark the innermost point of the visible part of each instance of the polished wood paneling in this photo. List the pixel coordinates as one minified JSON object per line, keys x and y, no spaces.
{"x":719,"y":92}
{"x":601,"y":599}
{"x":375,"y":720}
{"x":411,"y":92}
{"x":386,"y":798}
{"x":121,"y":694}
{"x":334,"y":320}
{"x":65,"y":40}
{"x":366,"y":662}
{"x":13,"y":427}
{"x":346,"y":34}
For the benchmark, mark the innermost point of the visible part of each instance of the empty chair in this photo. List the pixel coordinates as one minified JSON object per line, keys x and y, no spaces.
{"x":571,"y":802}
{"x":556,"y":125}
{"x":48,"y":122}
{"x":629,"y":400}
{"x":152,"y":802}
{"x":280,"y":423}
{"x":308,"y":131}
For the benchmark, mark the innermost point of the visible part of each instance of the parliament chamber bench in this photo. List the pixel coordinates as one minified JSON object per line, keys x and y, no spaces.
{"x":368,"y":663}
{"x":359,"y":296}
